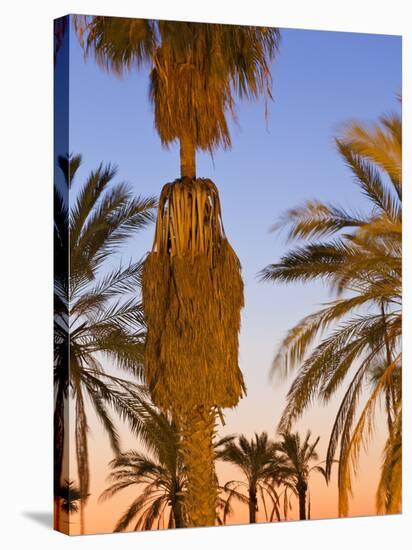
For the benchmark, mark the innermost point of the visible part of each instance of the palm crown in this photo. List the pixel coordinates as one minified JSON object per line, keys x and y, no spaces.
{"x":196,"y":69}
{"x":263,"y":469}
{"x":97,"y":310}
{"x":360,"y":257}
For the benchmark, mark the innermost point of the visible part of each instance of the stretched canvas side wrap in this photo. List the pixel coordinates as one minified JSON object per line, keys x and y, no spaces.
{"x":227,"y":274}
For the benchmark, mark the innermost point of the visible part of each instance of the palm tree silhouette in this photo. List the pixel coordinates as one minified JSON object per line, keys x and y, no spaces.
{"x":97,"y":313}
{"x":360,"y":257}
{"x":160,"y":476}
{"x":69,"y":497}
{"x":192,"y":288}
{"x":298,"y":455}
{"x":263,"y":469}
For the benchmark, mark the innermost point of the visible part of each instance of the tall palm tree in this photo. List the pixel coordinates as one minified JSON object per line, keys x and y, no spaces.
{"x":359,"y":257}
{"x":160,"y":475}
{"x":197,"y":69}
{"x":192,"y":288}
{"x":263,"y":469}
{"x":96,"y":312}
{"x":298,"y":456}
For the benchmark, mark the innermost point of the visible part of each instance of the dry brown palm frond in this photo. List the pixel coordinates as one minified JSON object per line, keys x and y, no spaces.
{"x":364,"y":429}
{"x":192,"y":297}
{"x":381,"y":143}
{"x":363,"y":266}
{"x":389,"y":493}
{"x":196,"y":69}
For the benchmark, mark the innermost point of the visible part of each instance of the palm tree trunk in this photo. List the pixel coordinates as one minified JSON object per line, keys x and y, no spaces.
{"x":252,"y":504}
{"x":82,"y":522}
{"x":197,"y":430}
{"x":178,"y":515}
{"x":302,"y":501}
{"x":187,"y":157}
{"x":56,"y":515}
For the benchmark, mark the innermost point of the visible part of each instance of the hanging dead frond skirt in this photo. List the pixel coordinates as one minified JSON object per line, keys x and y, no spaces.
{"x":192,"y":297}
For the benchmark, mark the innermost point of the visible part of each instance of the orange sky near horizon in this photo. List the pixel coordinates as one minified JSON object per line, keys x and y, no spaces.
{"x":255,"y":413}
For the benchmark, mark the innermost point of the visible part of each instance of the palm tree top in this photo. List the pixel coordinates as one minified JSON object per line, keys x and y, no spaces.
{"x":256,"y":457}
{"x":197,"y":69}
{"x":299,"y":452}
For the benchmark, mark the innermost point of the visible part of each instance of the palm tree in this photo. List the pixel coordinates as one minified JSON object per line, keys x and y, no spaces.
{"x":161,"y":477}
{"x":263,"y":469}
{"x":196,"y":71}
{"x":96,"y":312}
{"x":362,"y":263}
{"x":192,"y":287}
{"x":298,"y":456}
{"x":69,"y":497}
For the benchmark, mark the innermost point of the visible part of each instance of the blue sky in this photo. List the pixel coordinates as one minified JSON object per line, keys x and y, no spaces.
{"x":320,"y":80}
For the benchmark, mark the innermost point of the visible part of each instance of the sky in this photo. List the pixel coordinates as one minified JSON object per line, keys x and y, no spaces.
{"x":320,"y":81}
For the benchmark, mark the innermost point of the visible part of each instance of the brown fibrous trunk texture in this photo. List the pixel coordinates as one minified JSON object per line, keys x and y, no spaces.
{"x":187,"y":157}
{"x":197,"y":430}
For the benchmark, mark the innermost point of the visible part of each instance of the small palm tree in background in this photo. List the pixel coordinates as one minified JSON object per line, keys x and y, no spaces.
{"x":359,"y":257}
{"x":263,"y":469}
{"x":69,"y":496}
{"x":160,"y":477}
{"x":298,"y":456}
{"x":192,"y":287}
{"x":97,"y":313}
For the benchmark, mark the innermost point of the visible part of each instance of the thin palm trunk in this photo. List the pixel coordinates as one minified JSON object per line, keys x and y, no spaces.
{"x":178,"y":514}
{"x":252,"y":504}
{"x":301,"y":488}
{"x":56,"y":514}
{"x":197,"y":431}
{"x":187,"y":157}
{"x":82,"y":518}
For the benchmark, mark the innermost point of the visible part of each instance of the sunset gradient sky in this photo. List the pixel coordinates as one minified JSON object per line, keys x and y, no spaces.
{"x":321,"y":79}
